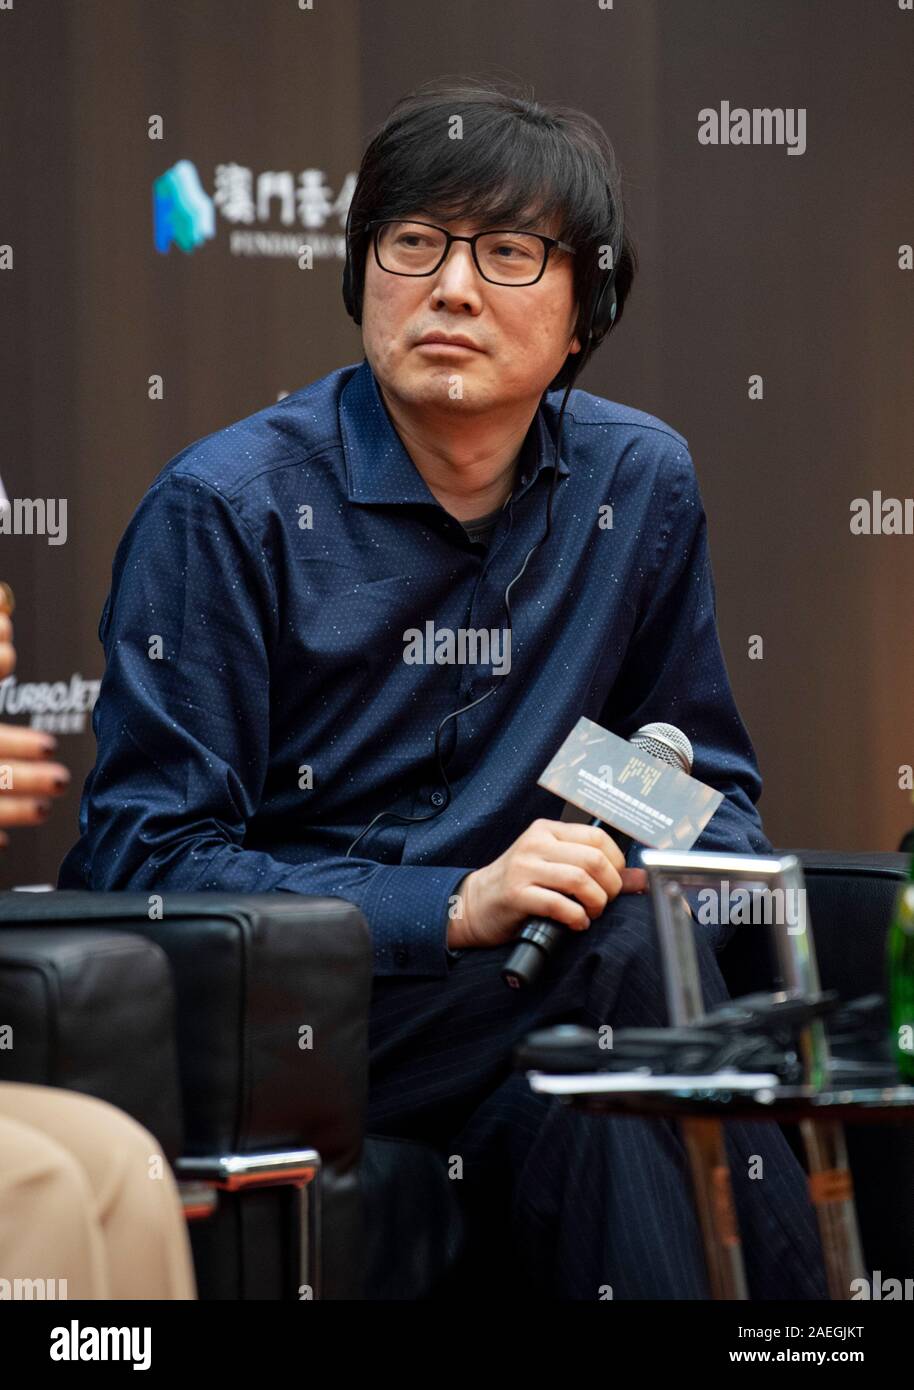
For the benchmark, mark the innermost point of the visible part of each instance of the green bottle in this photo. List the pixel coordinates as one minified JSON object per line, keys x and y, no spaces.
{"x":901,"y":978}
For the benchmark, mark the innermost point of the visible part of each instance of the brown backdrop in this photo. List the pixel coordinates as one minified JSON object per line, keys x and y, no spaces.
{"x":753,"y":261}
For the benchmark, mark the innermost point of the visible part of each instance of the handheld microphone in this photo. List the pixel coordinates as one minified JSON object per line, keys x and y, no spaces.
{"x":540,"y":936}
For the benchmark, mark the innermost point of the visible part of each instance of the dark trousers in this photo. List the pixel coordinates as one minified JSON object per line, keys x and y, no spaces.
{"x":560,"y":1203}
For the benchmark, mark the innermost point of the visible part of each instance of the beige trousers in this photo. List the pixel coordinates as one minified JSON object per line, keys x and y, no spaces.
{"x":86,"y":1196}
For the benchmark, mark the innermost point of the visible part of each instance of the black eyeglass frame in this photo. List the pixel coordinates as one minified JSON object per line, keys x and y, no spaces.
{"x":549,"y":244}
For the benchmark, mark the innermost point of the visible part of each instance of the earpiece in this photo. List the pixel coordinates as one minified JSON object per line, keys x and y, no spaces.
{"x":348,"y":288}
{"x":603,"y":315}
{"x":606,"y":304}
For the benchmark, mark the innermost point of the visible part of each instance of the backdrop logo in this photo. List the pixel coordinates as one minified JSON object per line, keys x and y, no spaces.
{"x":184,"y":214}
{"x":59,"y":707}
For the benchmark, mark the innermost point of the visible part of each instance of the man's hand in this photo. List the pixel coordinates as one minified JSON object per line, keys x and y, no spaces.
{"x":557,"y":869}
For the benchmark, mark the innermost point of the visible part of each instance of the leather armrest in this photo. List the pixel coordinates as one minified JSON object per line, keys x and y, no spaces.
{"x":850,"y":898}
{"x":272,"y":995}
{"x":93,"y":1010}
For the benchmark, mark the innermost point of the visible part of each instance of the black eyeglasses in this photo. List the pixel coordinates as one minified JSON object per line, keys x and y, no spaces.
{"x":501,"y":257}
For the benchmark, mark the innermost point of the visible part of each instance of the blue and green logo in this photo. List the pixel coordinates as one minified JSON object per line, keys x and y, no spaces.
{"x":183,"y":211}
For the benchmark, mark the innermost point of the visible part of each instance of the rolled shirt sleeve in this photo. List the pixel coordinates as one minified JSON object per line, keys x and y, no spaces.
{"x":182,"y":725}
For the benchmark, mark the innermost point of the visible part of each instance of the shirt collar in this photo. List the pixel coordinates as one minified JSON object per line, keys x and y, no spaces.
{"x":378,"y":467}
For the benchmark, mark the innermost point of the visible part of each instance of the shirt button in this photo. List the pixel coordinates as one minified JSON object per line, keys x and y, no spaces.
{"x":437,"y":798}
{"x":401,"y":955}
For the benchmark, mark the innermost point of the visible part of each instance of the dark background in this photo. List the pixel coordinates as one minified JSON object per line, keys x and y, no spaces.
{"x":752,"y":261}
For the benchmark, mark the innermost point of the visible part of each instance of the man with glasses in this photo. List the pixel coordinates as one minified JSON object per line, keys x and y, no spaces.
{"x":285,"y":739}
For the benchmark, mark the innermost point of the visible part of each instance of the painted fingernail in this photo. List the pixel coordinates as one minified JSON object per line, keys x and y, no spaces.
{"x":61,"y":783}
{"x":42,"y":808}
{"x":48,"y":743}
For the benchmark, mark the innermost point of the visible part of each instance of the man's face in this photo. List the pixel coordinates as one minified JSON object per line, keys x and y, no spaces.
{"x":523,"y":333}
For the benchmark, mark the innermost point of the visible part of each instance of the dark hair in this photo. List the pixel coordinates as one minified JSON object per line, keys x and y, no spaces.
{"x":519,"y":163}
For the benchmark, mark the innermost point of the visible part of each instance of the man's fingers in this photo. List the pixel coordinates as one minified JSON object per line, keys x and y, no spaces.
{"x":583,"y":858}
{"x":588,"y":835}
{"x":634,"y":881}
{"x":579,"y":882}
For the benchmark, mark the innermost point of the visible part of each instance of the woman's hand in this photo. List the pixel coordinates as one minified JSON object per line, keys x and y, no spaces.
{"x":7,"y":650}
{"x":28,"y":779}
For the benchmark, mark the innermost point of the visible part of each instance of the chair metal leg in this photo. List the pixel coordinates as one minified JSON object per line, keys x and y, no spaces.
{"x":199,"y":1199}
{"x":298,"y":1168}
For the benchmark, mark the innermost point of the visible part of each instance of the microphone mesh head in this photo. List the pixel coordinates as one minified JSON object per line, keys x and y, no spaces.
{"x":667,"y":744}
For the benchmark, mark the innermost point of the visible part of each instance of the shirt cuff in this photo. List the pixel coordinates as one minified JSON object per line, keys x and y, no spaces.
{"x":407,"y":914}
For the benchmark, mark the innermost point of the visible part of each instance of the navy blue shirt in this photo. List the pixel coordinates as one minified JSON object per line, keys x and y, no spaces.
{"x":257,"y":709}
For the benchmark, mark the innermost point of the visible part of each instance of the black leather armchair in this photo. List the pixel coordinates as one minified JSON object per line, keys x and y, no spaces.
{"x":236,"y":1032}
{"x":198,"y":1022}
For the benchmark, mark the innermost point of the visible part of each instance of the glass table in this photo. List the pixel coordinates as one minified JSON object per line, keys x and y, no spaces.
{"x":700,"y":1103}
